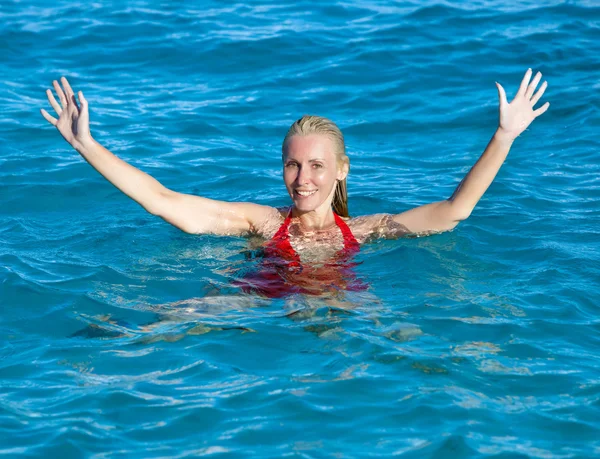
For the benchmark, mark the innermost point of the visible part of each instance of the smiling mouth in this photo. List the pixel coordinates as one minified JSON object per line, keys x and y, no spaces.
{"x":304,"y":194}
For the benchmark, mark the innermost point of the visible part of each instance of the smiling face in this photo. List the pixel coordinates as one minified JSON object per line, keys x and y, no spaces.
{"x":310,"y":171}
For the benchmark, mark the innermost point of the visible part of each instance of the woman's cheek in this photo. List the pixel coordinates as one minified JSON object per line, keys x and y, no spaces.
{"x":321,"y":175}
{"x":288,"y":177}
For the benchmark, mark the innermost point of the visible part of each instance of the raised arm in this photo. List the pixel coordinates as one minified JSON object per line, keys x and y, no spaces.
{"x":191,"y":214}
{"x":515,"y":117}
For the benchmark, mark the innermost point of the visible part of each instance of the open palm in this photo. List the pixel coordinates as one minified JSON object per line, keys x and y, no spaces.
{"x":517,"y":115}
{"x":73,"y":120}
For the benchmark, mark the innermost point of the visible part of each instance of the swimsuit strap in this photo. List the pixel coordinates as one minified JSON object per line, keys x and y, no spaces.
{"x":281,"y":241}
{"x":351,"y":245}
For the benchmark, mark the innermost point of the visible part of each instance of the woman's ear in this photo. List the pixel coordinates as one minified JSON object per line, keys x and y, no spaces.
{"x":343,"y":171}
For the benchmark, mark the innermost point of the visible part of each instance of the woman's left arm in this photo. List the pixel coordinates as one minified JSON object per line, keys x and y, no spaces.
{"x":515,"y":117}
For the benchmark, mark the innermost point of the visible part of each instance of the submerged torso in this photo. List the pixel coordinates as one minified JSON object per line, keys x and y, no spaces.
{"x":294,"y":243}
{"x":312,"y":262}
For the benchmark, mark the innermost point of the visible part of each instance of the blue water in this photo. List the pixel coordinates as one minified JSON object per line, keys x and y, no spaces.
{"x":122,"y":337}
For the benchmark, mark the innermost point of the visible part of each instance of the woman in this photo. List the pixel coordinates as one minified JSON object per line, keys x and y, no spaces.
{"x":317,"y":227}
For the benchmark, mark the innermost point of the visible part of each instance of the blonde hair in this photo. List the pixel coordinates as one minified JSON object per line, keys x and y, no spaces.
{"x":310,"y":124}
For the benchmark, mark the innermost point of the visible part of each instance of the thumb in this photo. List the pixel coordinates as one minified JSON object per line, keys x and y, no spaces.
{"x":83,"y":122}
{"x":501,"y":94}
{"x":84,"y":114}
{"x":82,"y":100}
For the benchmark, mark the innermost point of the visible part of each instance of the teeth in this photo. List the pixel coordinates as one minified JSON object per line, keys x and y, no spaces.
{"x":305,"y":193}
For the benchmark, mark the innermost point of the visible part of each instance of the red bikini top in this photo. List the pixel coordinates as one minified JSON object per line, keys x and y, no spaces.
{"x":280,"y":245}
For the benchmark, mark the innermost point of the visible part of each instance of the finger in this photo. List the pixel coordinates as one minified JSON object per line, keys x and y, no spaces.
{"x":61,"y":94}
{"x":524,"y":83}
{"x":537,"y":96}
{"x":74,"y":102}
{"x":541,"y":110}
{"x":83,"y":122}
{"x":501,"y":94}
{"x":82,"y":100}
{"x":53,"y":102}
{"x":48,"y":117}
{"x":533,"y":85}
{"x":68,"y":91}
{"x":84,"y":104}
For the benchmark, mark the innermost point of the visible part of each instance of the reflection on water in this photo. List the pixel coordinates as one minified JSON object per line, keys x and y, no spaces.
{"x":226,"y":308}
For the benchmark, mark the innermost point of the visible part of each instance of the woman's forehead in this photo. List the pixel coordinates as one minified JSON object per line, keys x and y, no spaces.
{"x":309,"y":147}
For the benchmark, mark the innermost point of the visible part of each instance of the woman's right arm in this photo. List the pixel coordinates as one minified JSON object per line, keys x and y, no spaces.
{"x":192,"y":214}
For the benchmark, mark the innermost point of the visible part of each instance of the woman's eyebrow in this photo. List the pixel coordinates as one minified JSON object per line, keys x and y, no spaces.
{"x":310,"y":160}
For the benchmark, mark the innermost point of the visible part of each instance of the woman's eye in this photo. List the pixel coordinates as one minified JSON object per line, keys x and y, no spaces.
{"x":291,"y":165}
{"x":317,"y":166}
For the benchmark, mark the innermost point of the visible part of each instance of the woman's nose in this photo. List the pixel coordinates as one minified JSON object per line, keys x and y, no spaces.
{"x":303,"y":176}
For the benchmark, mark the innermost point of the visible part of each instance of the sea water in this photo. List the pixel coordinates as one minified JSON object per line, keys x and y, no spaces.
{"x":121,"y":336}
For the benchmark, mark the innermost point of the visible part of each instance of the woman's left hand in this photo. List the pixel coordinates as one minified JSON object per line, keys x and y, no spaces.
{"x":517,"y":115}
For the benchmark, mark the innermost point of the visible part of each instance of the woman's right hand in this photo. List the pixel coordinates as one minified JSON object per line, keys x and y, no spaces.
{"x":73,"y":120}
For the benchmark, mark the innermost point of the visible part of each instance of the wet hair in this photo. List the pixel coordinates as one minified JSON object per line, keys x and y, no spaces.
{"x":310,"y":124}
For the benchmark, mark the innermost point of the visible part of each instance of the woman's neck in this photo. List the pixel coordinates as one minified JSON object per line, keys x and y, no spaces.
{"x":315,"y":220}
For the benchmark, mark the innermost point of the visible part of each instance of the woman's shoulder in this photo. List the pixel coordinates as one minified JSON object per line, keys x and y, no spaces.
{"x":366,"y":228}
{"x":268,"y":220}
{"x":361,"y":227}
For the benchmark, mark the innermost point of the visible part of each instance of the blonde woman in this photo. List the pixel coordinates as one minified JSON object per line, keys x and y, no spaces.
{"x":316,"y":227}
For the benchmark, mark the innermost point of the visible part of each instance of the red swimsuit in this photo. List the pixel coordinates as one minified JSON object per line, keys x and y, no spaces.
{"x":282,"y":273}
{"x":280,"y":245}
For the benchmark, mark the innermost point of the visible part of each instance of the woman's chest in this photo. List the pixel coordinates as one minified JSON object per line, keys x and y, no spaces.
{"x":315,"y":246}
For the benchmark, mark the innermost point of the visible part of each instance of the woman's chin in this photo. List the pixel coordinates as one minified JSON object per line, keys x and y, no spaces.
{"x":305,"y":205}
{"x":302,"y":207}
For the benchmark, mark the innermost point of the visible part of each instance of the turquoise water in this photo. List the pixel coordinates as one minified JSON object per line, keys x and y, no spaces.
{"x":122,"y":337}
